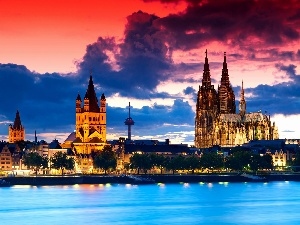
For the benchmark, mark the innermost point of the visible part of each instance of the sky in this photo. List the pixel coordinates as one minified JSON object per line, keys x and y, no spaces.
{"x":149,"y":53}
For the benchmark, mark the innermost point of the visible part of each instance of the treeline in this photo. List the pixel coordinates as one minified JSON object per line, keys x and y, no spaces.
{"x":211,"y":161}
{"x":106,"y":160}
{"x":59,"y":161}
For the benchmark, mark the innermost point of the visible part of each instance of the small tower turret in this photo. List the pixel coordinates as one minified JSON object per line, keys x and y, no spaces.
{"x":103,"y":116}
{"x":78,"y":103}
{"x":86,"y":102}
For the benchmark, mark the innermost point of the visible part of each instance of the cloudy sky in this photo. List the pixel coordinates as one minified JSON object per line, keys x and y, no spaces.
{"x":148,"y":52}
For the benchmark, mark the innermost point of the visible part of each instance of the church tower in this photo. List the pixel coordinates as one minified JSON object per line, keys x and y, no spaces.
{"x":90,"y":121}
{"x":206,"y":109}
{"x":16,"y":132}
{"x":225,"y":92}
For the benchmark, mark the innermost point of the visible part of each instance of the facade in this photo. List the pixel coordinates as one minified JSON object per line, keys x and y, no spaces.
{"x":16,"y":132}
{"x":279,"y":158}
{"x":216,"y":121}
{"x":90,"y":122}
{"x":6,"y":160}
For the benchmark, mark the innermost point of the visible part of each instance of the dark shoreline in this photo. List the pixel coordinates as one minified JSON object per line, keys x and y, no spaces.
{"x":145,"y":179}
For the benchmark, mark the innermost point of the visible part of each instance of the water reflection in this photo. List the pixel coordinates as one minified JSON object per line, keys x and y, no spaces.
{"x":185,"y":203}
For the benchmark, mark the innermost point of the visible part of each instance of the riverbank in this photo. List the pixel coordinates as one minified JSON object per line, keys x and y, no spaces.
{"x":146,"y":179}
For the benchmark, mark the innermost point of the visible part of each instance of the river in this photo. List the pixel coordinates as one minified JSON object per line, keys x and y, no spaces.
{"x":201,"y":203}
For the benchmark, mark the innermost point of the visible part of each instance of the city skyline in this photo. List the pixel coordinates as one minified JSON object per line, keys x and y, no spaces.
{"x":149,"y":53}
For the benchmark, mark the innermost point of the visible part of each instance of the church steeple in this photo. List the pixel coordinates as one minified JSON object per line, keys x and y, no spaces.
{"x":242,"y":105}
{"x":16,"y":132}
{"x":17,"y":122}
{"x":206,"y":81}
{"x":78,"y":97}
{"x":225,"y":77}
{"x":91,"y":96}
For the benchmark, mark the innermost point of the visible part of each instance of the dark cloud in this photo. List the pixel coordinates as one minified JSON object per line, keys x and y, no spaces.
{"x":290,"y":70}
{"x":189,"y":90}
{"x":271,"y":22}
{"x":280,"y":98}
{"x":44,"y":100}
{"x":236,"y":56}
{"x":143,"y":59}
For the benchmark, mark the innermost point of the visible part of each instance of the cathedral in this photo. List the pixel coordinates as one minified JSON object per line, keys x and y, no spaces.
{"x":90,"y":122}
{"x":218,"y":123}
{"x":16,"y":132}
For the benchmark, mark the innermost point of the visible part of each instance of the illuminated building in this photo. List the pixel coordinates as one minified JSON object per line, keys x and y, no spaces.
{"x":90,"y":122}
{"x":5,"y":158}
{"x":16,"y":132}
{"x":216,"y":121}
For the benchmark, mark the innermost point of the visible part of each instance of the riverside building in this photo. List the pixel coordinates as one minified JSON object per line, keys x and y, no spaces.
{"x":90,"y":134}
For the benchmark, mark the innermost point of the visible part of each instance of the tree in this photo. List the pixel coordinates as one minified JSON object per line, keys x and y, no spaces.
{"x":175,"y":163}
{"x":211,"y":160}
{"x":159,"y":161}
{"x":192,"y":163}
{"x":105,"y":159}
{"x":255,"y":162}
{"x":141,"y":161}
{"x":267,"y":162}
{"x":35,"y":161}
{"x":296,"y":162}
{"x":61,"y":161}
{"x":238,"y":160}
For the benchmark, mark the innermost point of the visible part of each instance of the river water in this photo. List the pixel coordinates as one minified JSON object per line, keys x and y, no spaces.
{"x":201,"y":203}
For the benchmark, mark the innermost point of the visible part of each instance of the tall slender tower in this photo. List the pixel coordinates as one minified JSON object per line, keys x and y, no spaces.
{"x":129,"y":122}
{"x":242,"y":105}
{"x":16,"y":132}
{"x":225,"y":92}
{"x":206,"y":109}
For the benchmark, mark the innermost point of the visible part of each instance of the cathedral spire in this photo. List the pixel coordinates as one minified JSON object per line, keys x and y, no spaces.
{"x":225,"y":77}
{"x":17,"y":122}
{"x":242,"y":92}
{"x":206,"y":81}
{"x":242,"y":106}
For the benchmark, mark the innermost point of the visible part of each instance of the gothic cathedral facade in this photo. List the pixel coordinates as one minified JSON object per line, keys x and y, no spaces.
{"x":216,"y":121}
{"x":90,"y":122}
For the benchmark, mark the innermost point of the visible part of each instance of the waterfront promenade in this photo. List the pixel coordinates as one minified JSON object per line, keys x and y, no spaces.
{"x":146,"y":179}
